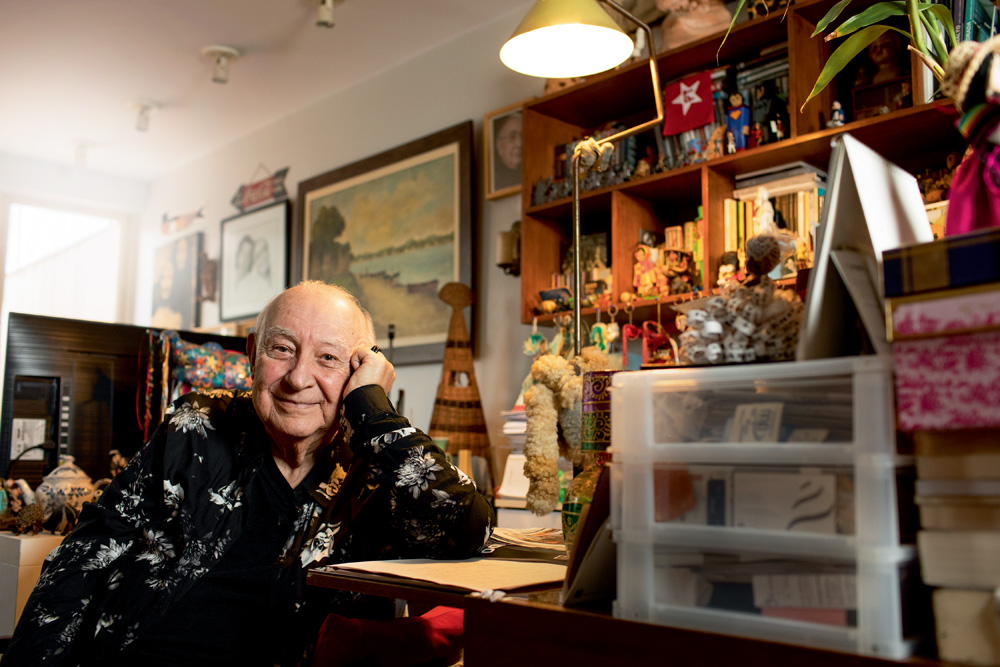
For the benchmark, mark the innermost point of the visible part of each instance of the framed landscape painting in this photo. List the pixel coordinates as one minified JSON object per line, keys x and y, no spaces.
{"x":393,"y":229}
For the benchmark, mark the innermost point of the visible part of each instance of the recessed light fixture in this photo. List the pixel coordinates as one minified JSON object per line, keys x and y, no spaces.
{"x":221,"y":55}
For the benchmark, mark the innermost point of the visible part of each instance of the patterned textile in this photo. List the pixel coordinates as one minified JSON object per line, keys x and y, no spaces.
{"x":948,"y":382}
{"x":179,"y":506}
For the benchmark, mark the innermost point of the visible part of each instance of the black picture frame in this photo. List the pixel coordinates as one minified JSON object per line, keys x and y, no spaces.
{"x":248,"y":282}
{"x":393,"y":229}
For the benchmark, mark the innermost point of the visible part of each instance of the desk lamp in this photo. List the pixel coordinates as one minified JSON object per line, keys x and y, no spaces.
{"x":570,"y":38}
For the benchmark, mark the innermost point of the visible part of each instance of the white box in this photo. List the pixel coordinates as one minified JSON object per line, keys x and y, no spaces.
{"x":21,"y":558}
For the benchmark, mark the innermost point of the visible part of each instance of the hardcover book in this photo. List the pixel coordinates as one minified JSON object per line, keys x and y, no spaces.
{"x":953,"y":261}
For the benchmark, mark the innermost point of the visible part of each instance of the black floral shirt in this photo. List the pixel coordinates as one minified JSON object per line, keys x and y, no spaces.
{"x":383,"y":491}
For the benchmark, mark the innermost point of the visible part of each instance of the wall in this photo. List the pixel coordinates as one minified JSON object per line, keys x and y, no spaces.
{"x":456,"y":81}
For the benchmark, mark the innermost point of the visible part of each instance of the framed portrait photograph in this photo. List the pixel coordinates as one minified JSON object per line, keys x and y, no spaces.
{"x":175,"y":283}
{"x":502,"y":151}
{"x":253,"y":262}
{"x":393,"y":229}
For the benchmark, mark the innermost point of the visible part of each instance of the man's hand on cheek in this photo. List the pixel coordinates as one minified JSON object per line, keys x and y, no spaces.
{"x":369,"y":366}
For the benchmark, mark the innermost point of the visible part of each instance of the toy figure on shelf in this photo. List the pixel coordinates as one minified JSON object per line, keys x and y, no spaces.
{"x":768,"y":109}
{"x":756,"y":135}
{"x":647,"y":278}
{"x":677,"y":269}
{"x":730,"y":143}
{"x":729,"y":266}
{"x":715,"y":147}
{"x":738,"y":121}
{"x":836,"y":115}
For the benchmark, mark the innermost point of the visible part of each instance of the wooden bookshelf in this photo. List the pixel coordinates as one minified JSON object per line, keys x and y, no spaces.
{"x":915,"y":138}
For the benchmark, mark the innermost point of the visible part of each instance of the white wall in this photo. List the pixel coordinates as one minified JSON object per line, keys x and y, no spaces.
{"x":459,"y":80}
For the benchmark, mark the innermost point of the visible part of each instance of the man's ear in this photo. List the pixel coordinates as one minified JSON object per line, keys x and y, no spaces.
{"x":252,"y":350}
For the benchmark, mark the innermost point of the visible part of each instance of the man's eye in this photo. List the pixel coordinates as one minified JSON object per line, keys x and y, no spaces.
{"x":328,"y":358}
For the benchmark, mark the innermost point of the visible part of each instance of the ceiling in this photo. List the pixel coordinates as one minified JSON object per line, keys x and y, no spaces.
{"x":71,"y":71}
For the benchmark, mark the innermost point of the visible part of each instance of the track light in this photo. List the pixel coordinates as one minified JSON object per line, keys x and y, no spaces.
{"x":221,"y":55}
{"x":144,"y":108}
{"x":324,"y":14}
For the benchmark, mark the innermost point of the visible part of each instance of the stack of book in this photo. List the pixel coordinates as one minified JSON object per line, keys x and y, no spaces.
{"x":958,"y":496}
{"x":943,"y":319}
{"x":795,"y":191}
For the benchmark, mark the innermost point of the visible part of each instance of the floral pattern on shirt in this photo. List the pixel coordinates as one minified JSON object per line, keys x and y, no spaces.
{"x":178,"y":507}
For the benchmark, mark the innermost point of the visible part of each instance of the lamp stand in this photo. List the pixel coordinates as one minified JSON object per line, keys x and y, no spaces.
{"x":590,"y":153}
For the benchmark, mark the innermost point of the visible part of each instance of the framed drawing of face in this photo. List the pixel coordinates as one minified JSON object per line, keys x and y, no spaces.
{"x":393,"y":229}
{"x":254,"y":260}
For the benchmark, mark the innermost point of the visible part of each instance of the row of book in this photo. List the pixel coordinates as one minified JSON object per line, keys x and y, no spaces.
{"x":943,"y":319}
{"x":790,"y":197}
{"x":975,"y":20}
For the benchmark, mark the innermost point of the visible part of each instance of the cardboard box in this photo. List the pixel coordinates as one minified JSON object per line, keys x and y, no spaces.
{"x":21,"y":558}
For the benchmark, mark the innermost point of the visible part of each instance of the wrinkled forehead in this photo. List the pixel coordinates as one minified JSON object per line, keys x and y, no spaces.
{"x":331,"y":319}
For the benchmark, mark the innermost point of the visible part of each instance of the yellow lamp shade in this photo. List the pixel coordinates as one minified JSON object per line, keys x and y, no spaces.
{"x":560,"y":39}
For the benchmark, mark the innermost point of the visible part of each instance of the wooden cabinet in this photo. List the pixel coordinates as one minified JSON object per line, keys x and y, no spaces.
{"x":915,"y":138}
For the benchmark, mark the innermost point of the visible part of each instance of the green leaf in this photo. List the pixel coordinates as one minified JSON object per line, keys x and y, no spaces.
{"x":874,"y":14}
{"x":942,"y":14}
{"x":736,"y":13}
{"x":846,"y":52}
{"x":830,"y":17}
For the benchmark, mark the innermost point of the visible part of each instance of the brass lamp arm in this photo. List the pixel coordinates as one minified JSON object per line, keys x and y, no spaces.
{"x":599,"y":152}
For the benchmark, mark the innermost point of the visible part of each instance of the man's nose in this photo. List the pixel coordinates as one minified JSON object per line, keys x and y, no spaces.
{"x":299,"y":376}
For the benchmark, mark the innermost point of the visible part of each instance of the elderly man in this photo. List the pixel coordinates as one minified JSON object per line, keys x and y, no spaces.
{"x":196,"y":553}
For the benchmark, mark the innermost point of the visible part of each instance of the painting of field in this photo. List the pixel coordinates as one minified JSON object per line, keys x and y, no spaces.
{"x":389,"y":236}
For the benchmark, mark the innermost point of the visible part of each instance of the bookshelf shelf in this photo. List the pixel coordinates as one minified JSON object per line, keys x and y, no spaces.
{"x":914,"y":137}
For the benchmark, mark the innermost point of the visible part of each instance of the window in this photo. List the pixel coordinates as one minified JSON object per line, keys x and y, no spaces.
{"x":61,"y":263}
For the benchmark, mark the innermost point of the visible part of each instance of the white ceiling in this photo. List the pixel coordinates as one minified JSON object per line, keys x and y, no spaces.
{"x":71,"y":70}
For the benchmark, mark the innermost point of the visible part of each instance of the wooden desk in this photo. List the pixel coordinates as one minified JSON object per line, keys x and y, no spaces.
{"x":532,"y":629}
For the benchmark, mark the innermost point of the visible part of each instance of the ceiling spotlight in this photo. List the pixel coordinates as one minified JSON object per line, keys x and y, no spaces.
{"x":324,"y":14}
{"x":144,"y":108}
{"x":221,"y":55}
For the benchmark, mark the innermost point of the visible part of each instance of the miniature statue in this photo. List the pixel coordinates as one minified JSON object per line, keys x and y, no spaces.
{"x":756,"y":135}
{"x":647,"y":278}
{"x":730,"y":143}
{"x":715,"y":146}
{"x":738,"y":121}
{"x":836,"y":115}
{"x":729,"y":266}
{"x":677,"y":270}
{"x":767,"y":109}
{"x":688,"y":20}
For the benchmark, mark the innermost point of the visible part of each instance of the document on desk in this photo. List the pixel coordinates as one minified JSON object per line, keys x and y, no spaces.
{"x":473,"y":574}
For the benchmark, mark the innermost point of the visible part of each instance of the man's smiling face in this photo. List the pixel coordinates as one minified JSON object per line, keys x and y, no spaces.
{"x":301,"y":365}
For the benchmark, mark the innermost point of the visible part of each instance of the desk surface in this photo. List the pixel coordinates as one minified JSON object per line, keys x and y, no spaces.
{"x":533,"y":629}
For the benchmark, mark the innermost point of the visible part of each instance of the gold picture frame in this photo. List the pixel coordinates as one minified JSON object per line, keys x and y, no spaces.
{"x":502,"y":150}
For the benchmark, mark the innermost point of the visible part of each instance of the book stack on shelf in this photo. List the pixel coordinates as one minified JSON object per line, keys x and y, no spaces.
{"x":795,"y":192}
{"x":943,"y":318}
{"x":958,"y":495}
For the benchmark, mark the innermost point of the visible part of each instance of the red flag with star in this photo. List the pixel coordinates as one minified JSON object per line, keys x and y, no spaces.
{"x":687,"y":104}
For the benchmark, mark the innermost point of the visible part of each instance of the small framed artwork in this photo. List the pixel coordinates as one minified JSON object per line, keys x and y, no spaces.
{"x":393,"y":229}
{"x":253,"y":260}
{"x":502,"y":151}
{"x":175,"y":283}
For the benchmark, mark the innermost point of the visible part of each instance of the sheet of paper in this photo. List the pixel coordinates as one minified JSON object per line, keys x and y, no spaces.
{"x":474,"y":574}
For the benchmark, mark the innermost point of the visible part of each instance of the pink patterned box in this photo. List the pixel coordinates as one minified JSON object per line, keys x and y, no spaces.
{"x":955,"y":313}
{"x":948,"y":382}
